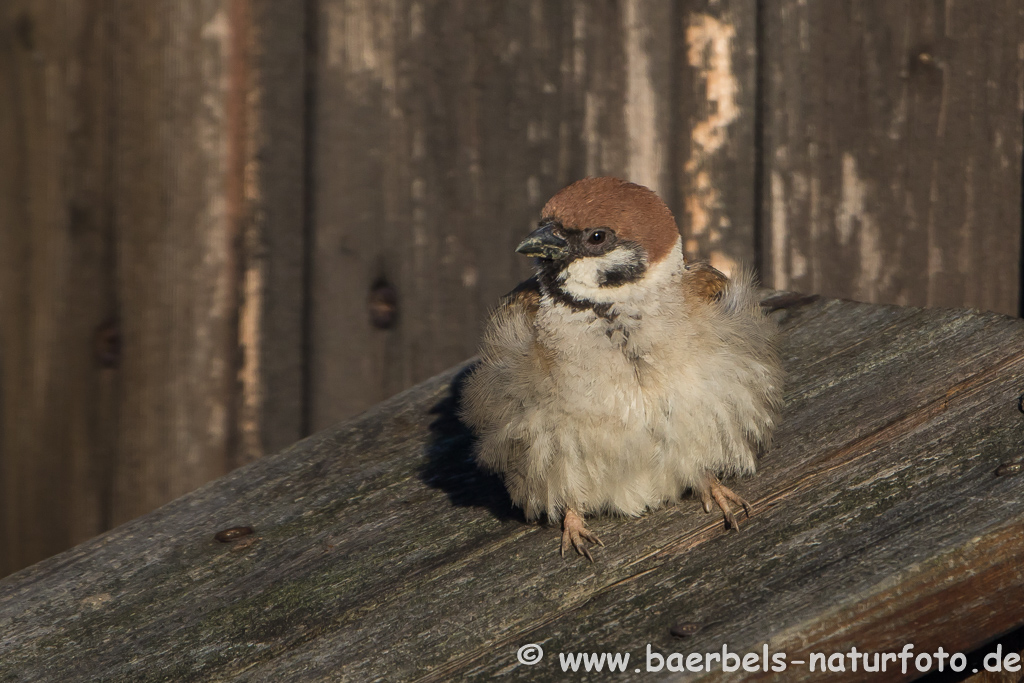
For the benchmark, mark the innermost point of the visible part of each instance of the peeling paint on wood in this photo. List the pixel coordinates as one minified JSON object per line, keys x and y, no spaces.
{"x":893,"y":115}
{"x":716,"y":169}
{"x":709,"y":50}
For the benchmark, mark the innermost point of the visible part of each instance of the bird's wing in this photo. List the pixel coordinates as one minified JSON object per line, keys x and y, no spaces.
{"x":705,"y":281}
{"x":525,"y":296}
{"x":508,"y":353}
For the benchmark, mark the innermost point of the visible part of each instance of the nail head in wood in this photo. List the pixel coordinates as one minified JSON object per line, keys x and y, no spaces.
{"x":1009,"y":469}
{"x":233,"y":534}
{"x":685,"y":629}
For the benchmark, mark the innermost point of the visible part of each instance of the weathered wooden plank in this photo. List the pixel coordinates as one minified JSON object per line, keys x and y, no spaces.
{"x":151,"y":255}
{"x":716,"y":166}
{"x":176,"y":263}
{"x":272,"y":282}
{"x":892,"y":155}
{"x":441,"y":129}
{"x":58,"y":342}
{"x":379,"y":550}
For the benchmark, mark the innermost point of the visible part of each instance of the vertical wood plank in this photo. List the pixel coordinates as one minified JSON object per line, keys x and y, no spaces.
{"x":441,"y":129}
{"x":151,"y":255}
{"x":892,"y":161}
{"x":58,"y":339}
{"x":176,"y":252}
{"x":716,"y":160}
{"x":211,"y":219}
{"x":648,"y":42}
{"x":271,"y":316}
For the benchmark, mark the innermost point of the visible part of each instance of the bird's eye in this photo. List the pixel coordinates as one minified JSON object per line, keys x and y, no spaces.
{"x":597,"y":237}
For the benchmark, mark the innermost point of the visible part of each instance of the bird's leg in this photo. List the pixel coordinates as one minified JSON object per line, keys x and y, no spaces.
{"x":721,"y":495}
{"x":575,"y":532}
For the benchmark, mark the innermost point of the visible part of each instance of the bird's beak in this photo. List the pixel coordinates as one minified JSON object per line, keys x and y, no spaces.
{"x":543,"y":243}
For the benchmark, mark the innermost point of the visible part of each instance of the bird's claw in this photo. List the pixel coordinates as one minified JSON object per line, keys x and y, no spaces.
{"x":575,"y":532}
{"x":721,"y":495}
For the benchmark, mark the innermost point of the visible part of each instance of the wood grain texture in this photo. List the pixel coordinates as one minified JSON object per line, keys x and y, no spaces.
{"x":717,"y":47}
{"x":154,"y":290}
{"x":441,"y":130}
{"x":176,"y":257}
{"x":151,"y":256}
{"x":272,"y":308}
{"x":379,"y":550}
{"x":58,"y":303}
{"x":892,"y":155}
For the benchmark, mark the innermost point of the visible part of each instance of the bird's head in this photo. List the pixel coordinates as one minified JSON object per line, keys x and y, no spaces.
{"x":599,"y":239}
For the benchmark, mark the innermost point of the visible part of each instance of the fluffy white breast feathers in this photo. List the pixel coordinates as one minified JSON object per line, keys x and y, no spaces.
{"x":620,"y":376}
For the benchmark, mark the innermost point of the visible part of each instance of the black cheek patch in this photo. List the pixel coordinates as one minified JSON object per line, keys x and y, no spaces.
{"x":621,"y":275}
{"x":625,"y":273}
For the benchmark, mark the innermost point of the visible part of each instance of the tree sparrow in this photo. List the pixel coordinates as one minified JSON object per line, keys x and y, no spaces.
{"x":620,"y":375}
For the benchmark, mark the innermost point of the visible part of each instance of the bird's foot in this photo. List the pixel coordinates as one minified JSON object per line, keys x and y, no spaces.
{"x":722,"y":495}
{"x":575,"y":532}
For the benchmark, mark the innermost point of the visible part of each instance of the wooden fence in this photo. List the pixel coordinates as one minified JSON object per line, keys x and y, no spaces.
{"x":225,"y":224}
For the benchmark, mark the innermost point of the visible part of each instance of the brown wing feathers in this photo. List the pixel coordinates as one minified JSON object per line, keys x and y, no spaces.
{"x":705,"y":281}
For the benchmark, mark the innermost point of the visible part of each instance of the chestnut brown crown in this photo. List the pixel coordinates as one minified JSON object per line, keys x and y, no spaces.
{"x":633,"y":211}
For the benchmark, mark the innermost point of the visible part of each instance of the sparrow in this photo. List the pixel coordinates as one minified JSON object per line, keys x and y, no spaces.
{"x":621,"y":376}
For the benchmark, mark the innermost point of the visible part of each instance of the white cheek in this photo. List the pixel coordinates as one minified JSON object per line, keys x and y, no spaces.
{"x":581,"y":278}
{"x":586,"y":272}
